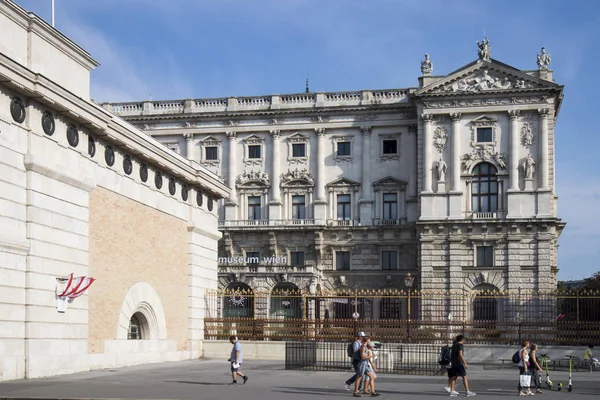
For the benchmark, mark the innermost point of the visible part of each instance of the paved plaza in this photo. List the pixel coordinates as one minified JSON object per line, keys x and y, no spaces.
{"x":209,"y":379}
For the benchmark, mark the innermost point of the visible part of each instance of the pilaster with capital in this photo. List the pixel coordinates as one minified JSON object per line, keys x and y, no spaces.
{"x":231,"y":170}
{"x":513,"y":161}
{"x":456,"y":151}
{"x":543,"y":166}
{"x":366,"y":161}
{"x":275,"y":190}
{"x":320,"y":163}
{"x":427,"y":120}
{"x":189,"y":145}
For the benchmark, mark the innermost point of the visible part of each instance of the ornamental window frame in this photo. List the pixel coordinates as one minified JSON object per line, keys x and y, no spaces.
{"x":385,"y":137}
{"x":298,"y":138}
{"x":477,"y":244}
{"x":211,"y":141}
{"x":254,"y":140}
{"x":484,"y":121}
{"x":173,"y":146}
{"x":342,"y":138}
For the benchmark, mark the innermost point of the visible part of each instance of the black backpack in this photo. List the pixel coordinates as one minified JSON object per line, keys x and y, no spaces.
{"x":351,"y":350}
{"x":445,"y":355}
{"x":516,"y":358}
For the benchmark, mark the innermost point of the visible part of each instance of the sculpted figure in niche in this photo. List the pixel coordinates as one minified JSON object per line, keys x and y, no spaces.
{"x":543,"y":60}
{"x":528,"y":167}
{"x":442,"y":168}
{"x":426,"y":65}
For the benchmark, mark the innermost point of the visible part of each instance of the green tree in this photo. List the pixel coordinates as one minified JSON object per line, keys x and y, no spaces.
{"x":593,"y":282}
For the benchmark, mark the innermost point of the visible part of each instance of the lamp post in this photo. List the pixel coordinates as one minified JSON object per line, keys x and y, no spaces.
{"x":408,"y":281}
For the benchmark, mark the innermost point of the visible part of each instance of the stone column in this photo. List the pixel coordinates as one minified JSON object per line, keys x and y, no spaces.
{"x":543,"y":165}
{"x":513,"y":160}
{"x":456,"y":152}
{"x":366,"y":201}
{"x":275,"y":203}
{"x":231,"y":203}
{"x":427,"y":143}
{"x":189,"y":146}
{"x":320,"y":202}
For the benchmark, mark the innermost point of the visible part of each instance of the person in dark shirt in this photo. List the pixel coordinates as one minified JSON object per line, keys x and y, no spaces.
{"x":459,"y":366}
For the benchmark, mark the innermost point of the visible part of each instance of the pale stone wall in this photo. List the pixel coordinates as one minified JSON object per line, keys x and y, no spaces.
{"x":130,"y":242}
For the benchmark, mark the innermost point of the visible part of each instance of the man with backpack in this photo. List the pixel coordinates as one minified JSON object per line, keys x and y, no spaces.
{"x":354,"y":354}
{"x":446,"y":362}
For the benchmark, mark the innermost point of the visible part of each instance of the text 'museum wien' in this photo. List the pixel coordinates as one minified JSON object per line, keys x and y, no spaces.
{"x":452,"y":181}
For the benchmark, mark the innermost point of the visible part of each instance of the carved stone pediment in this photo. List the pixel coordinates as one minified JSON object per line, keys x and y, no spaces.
{"x":343,"y":183}
{"x":210,"y":141}
{"x":297,"y":177}
{"x":253,"y":139}
{"x":390,"y":183}
{"x":248,"y":178}
{"x":297,"y":138}
{"x":485,"y":76}
{"x":484,"y":153}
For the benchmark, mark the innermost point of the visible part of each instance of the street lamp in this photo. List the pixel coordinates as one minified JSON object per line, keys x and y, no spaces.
{"x":408,"y":281}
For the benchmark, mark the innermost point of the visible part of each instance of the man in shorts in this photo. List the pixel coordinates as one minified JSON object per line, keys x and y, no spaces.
{"x":236,"y":360}
{"x":355,"y":360}
{"x":459,"y":366}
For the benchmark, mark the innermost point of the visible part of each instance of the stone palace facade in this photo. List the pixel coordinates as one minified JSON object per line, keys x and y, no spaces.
{"x":86,"y":198}
{"x":451,"y":181}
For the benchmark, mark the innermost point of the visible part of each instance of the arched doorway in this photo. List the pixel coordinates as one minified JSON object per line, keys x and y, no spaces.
{"x":238,"y":301}
{"x":286,"y":301}
{"x":485,"y":305}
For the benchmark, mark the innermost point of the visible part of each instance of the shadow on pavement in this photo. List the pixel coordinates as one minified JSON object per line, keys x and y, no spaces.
{"x":201,"y":383}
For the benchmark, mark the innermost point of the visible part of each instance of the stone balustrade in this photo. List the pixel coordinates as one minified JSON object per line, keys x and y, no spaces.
{"x":309,"y":100}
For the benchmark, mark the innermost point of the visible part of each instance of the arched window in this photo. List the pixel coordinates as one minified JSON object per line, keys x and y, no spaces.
{"x":138,"y":327}
{"x":238,"y":301}
{"x":286,"y":301}
{"x":485,"y":188}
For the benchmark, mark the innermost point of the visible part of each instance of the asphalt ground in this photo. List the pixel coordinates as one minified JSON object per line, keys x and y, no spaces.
{"x":209,"y":379}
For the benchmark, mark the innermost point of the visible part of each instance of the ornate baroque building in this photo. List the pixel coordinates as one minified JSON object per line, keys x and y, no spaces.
{"x":451,"y":181}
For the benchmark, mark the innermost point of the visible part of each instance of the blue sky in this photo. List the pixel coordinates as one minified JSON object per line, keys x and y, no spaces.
{"x":174,"y":49}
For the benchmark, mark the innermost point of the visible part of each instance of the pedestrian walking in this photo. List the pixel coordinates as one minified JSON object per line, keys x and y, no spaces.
{"x":371,"y":368}
{"x":524,"y":375}
{"x":354,"y":353}
{"x":536,"y":369}
{"x":236,"y":360}
{"x":363,"y":369}
{"x":459,"y":366}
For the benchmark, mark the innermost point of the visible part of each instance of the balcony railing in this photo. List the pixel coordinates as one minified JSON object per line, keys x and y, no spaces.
{"x":268,"y":222}
{"x":342,"y":222}
{"x":488,"y":215}
{"x":382,"y":221}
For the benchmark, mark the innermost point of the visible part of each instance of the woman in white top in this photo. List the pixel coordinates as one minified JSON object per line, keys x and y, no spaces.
{"x":524,"y":368}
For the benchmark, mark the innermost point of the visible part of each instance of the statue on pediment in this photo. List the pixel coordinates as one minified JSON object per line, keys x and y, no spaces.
{"x":484,"y":49}
{"x":253,"y":176}
{"x":426,"y":65}
{"x":543,"y":60}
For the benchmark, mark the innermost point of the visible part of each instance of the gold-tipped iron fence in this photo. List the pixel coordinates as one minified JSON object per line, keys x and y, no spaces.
{"x":485,"y":317}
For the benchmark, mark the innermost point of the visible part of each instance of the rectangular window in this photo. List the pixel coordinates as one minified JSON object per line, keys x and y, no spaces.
{"x":298,"y":150}
{"x":253,"y":207}
{"x":298,"y":207}
{"x":252,"y":258}
{"x":484,"y":135}
{"x":390,"y":206}
{"x":390,"y":146}
{"x":212,"y":153}
{"x":254,"y":151}
{"x":297,"y":258}
{"x":485,"y":256}
{"x":343,"y":148}
{"x":342,"y":260}
{"x":343,"y":207}
{"x":389,"y":260}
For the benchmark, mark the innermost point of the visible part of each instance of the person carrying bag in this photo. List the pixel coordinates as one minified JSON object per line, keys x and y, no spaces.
{"x":524,"y":375}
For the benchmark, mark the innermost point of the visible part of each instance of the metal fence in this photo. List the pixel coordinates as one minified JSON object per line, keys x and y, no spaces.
{"x":555,"y":318}
{"x":392,"y":358}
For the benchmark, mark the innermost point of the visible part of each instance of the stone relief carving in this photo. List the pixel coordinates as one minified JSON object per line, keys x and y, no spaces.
{"x":485,"y":102}
{"x":253,"y":176}
{"x":528,"y":167}
{"x":527,"y":134}
{"x":484,"y":153}
{"x":297,"y":175}
{"x":484,"y":49}
{"x":442,"y":168}
{"x":426,"y":65}
{"x":440,"y":138}
{"x":483,"y":81}
{"x":320,"y":119}
{"x":543,"y":60}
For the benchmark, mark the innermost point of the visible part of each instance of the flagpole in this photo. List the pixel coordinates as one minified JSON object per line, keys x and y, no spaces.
{"x":53,"y":13}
